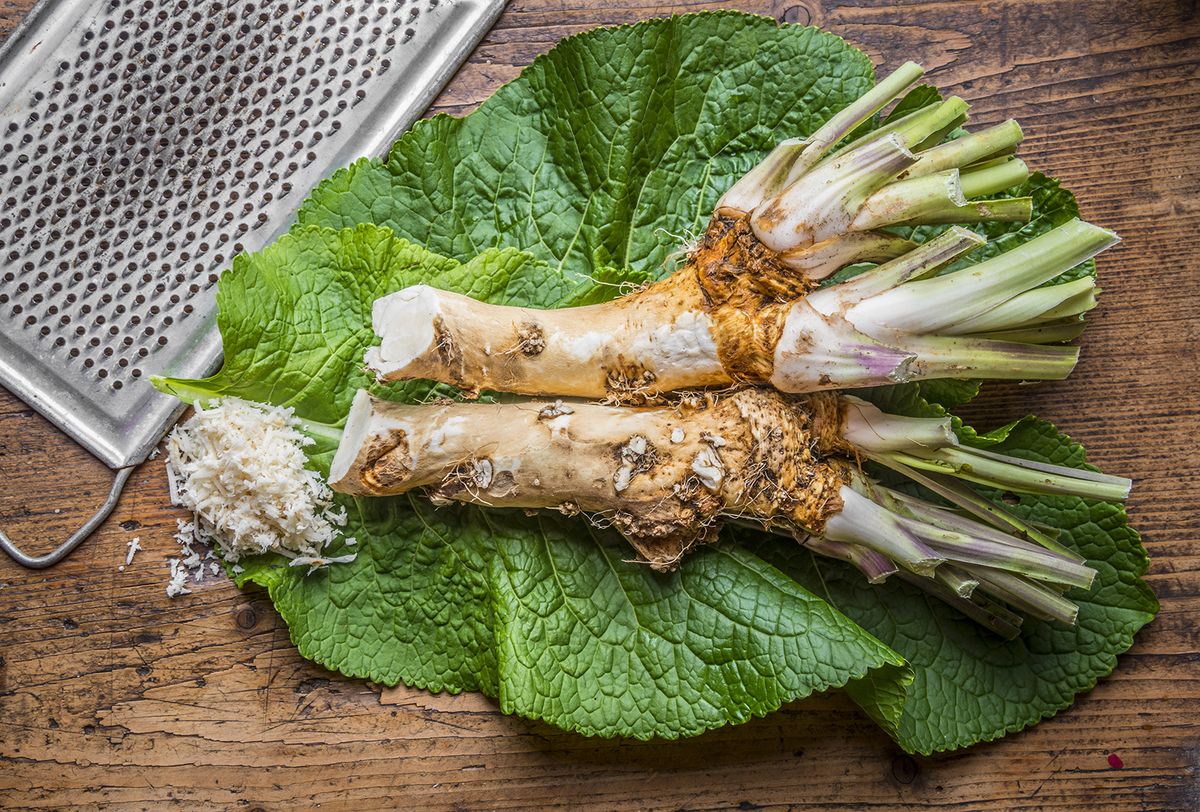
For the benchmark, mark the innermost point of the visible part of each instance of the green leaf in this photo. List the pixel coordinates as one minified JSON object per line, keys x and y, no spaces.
{"x":414,"y":606}
{"x":608,"y":150}
{"x":598,"y":162}
{"x":592,"y":643}
{"x":971,"y":686}
{"x":949,"y":392}
{"x":548,"y":616}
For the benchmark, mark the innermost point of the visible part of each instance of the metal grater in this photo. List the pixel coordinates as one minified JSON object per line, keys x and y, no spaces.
{"x":144,"y":143}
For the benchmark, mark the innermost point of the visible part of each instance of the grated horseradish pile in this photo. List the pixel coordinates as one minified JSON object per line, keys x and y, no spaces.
{"x":240,"y":468}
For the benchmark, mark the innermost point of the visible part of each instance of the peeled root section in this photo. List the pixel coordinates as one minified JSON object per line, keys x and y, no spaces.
{"x":656,"y":340}
{"x":707,"y":325}
{"x":664,"y":477}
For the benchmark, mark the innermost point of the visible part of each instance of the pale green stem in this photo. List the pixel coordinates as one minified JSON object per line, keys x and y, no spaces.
{"x":969,"y":357}
{"x":979,"y":506}
{"x":1011,"y":473}
{"x":922,"y":261}
{"x":1067,"y":330}
{"x":984,"y":611}
{"x":873,"y":565}
{"x":1026,"y":595}
{"x":850,"y":117}
{"x":910,"y":200}
{"x":996,"y":177}
{"x":956,"y":580}
{"x":968,"y":149}
{"x":916,"y":127}
{"x":862,"y":521}
{"x":830,"y":256}
{"x":763,"y":181}
{"x":1001,"y":210}
{"x":1030,"y":561}
{"x":1040,"y":304}
{"x":929,"y":305}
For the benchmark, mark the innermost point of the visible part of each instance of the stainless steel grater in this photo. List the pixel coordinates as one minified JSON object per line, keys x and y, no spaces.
{"x":144,"y":143}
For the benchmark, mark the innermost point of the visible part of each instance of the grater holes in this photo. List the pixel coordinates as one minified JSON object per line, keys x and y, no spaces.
{"x":133,"y":175}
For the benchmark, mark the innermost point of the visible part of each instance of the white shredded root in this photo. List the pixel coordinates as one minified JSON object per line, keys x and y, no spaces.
{"x":240,"y":468}
{"x":134,"y":544}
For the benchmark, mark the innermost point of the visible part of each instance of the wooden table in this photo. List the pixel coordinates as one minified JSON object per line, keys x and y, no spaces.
{"x":113,"y":696}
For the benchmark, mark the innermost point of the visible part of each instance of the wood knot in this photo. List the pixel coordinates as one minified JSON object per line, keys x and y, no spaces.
{"x":246,"y":618}
{"x":904,"y":769}
{"x":803,"y":13}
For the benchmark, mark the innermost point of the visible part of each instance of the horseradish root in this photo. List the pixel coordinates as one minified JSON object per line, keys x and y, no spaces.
{"x":662,"y":476}
{"x":803,"y":213}
{"x":734,"y":313}
{"x":668,"y":477}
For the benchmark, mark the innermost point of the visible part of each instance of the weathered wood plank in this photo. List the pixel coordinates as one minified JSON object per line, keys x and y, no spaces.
{"x":112,"y":696}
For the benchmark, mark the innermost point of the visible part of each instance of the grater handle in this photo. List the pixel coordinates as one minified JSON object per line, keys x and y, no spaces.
{"x":63,"y":550}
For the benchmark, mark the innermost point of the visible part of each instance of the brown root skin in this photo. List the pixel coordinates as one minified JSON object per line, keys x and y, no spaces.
{"x":666,"y":477}
{"x":745,"y":286}
{"x":712,"y":323}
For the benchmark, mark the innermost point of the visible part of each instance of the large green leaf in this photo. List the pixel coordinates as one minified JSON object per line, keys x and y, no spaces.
{"x":598,"y":161}
{"x":607,"y":150}
{"x":613,"y":148}
{"x":590,"y":642}
{"x":548,"y":616}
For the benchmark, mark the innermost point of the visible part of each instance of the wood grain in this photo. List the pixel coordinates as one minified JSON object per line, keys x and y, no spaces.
{"x":111,"y":696}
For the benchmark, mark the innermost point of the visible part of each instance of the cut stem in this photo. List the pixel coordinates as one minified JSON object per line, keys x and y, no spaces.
{"x":993,"y":177}
{"x":991,"y":615}
{"x":969,"y":149}
{"x":1033,"y":307}
{"x":1012,"y":473}
{"x":1026,"y":595}
{"x":930,"y":305}
{"x":851,"y":117}
{"x":930,"y":444}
